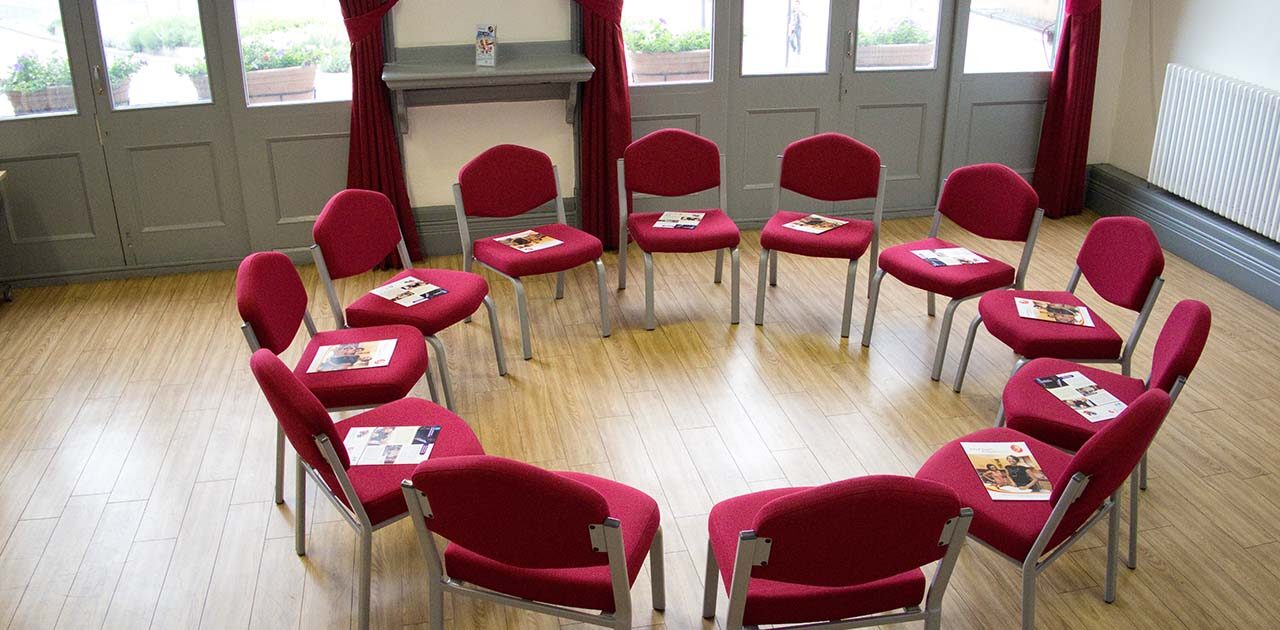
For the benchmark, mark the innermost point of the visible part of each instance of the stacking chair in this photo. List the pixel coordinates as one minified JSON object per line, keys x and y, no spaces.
{"x":549,"y":542}
{"x":674,"y":163}
{"x":353,"y":234}
{"x":988,"y":200}
{"x":273,"y":304}
{"x":1086,"y":487}
{"x":1122,"y":260}
{"x":845,"y":553}
{"x":1029,"y":408}
{"x":827,"y":167}
{"x":507,"y":181}
{"x":368,"y":497}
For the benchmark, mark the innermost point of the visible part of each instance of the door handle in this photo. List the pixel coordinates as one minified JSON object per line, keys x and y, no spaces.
{"x":848,"y":48}
{"x":99,"y":80}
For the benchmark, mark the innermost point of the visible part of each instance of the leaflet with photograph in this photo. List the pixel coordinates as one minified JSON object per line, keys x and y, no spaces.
{"x":373,"y":446}
{"x":679,"y":220}
{"x":1050,"y":312}
{"x":814,"y":224}
{"x":949,"y":257}
{"x":408,"y":291}
{"x":528,"y":241}
{"x":352,"y":356}
{"x":1008,"y":471}
{"x":1083,"y":396}
{"x":486,"y":45}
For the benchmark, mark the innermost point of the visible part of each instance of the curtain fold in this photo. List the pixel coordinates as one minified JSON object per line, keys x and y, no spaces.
{"x":1064,"y":137}
{"x":606,"y":118}
{"x":373,"y":160}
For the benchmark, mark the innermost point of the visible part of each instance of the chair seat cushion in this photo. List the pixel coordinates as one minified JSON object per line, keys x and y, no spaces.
{"x":367,"y":386}
{"x":578,"y":248}
{"x":1011,"y":527}
{"x":774,"y":602}
{"x":379,"y":486}
{"x":1031,"y":409}
{"x":715,"y":231}
{"x":466,"y":292}
{"x":847,"y":242}
{"x":1033,"y":338}
{"x":582,"y":587}
{"x":954,"y":282}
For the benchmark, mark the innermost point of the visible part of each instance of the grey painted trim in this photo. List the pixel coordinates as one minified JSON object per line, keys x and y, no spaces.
{"x":1247,"y":260}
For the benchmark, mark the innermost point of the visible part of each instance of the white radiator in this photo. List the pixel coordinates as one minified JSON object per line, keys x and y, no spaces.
{"x":1218,"y":145}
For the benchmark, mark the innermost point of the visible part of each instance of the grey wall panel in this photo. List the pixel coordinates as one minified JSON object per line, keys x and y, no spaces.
{"x":46,"y":200}
{"x":897,"y":132}
{"x":177,"y":187}
{"x":1005,"y":132}
{"x":305,"y":172}
{"x":768,"y":132}
{"x":641,"y":125}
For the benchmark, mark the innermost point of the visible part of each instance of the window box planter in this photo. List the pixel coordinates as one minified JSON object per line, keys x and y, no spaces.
{"x":59,"y":98}
{"x":895,"y":55}
{"x":280,"y":85}
{"x":662,"y":67}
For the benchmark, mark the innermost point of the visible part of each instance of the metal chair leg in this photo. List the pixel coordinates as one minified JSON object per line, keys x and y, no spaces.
{"x":522,"y":310}
{"x":1028,"y":598}
{"x":1113,"y":552}
{"x":1134,"y":481}
{"x":657,"y":573}
{"x":560,"y":285}
{"x":279,"y":497}
{"x":431,"y":386}
{"x":760,"y":286}
{"x":1000,"y":415}
{"x":933,"y":304}
{"x":495,"y":330}
{"x":851,"y":280}
{"x":466,"y":266}
{"x":364,"y":569}
{"x":442,"y":363}
{"x":710,"y":585}
{"x":872,"y":301}
{"x":603,"y":281}
{"x":944,"y":336}
{"x":1143,"y":467}
{"x":734,"y":286}
{"x":719,"y":265}
{"x":622,"y":266}
{"x":964,"y":355}
{"x":435,"y":602}
{"x":300,"y":507}
{"x":650,"y":322}
{"x":773,"y":268}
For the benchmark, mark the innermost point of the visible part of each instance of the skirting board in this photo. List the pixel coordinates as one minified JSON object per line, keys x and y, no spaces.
{"x":1247,"y":260}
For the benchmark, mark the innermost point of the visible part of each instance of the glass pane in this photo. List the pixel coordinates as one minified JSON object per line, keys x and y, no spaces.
{"x":154,"y":51}
{"x":784,"y":36}
{"x":34,"y":74}
{"x":897,"y":34}
{"x":293,"y":51}
{"x":668,"y":41}
{"x":1012,"y":36}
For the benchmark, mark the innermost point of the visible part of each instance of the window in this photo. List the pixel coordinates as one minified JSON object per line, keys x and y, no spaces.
{"x":293,"y":50}
{"x":1012,"y":36}
{"x":897,"y":34}
{"x":784,"y":36}
{"x":154,"y":52}
{"x":668,"y":41}
{"x":35,"y":76}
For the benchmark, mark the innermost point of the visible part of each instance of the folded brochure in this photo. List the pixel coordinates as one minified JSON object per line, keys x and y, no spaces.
{"x":1083,"y":396}
{"x":679,"y":220}
{"x":949,"y":256}
{"x":408,"y":291}
{"x":1008,"y":471}
{"x":352,"y":356}
{"x":1051,"y":312}
{"x":814,"y":224}
{"x":528,"y":241}
{"x":369,"y":446}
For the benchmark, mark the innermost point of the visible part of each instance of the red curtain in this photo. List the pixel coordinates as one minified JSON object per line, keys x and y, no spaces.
{"x":373,"y":161}
{"x":606,"y":118}
{"x":1064,"y":138}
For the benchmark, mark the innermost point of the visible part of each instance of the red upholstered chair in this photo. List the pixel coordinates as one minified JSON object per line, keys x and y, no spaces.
{"x":353,"y":234}
{"x":674,"y":163}
{"x":1031,"y":409}
{"x":368,"y":497}
{"x":1122,"y":260}
{"x":1086,"y":487}
{"x":509,"y":180}
{"x":989,"y":200}
{"x":828,"y":167}
{"x":273,"y":305}
{"x":843,"y":553}
{"x":538,"y":540}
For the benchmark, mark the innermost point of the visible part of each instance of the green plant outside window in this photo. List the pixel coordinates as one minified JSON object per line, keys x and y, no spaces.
{"x":655,"y":37}
{"x":33,"y":74}
{"x":905,"y":32}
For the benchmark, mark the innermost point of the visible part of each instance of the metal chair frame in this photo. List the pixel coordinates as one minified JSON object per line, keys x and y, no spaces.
{"x":771,"y":257}
{"x":605,"y":538}
{"x":650,"y":321}
{"x":754,"y":551}
{"x":464,"y":231}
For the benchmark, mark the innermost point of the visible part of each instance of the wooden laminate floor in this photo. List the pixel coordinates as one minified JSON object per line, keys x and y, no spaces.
{"x":136,"y":450}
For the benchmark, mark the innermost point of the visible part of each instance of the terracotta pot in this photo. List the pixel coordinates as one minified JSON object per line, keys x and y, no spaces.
{"x":895,"y":56}
{"x":58,"y":98}
{"x":120,"y":93}
{"x":281,"y":84}
{"x":662,"y":67}
{"x":201,"y":81}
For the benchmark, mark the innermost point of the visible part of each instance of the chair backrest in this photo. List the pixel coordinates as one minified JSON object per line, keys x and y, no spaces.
{"x":271,"y":298}
{"x":1121,"y":258}
{"x":671,"y":163}
{"x":831,"y":167}
{"x":512,"y":512}
{"x":356,"y":230}
{"x":1180,"y":343}
{"x":300,"y":414}
{"x":1108,"y":458}
{"x":506,"y":180}
{"x":856,"y":530}
{"x":990,"y":200}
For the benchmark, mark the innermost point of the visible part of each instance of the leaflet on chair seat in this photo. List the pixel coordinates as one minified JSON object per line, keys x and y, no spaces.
{"x":1051,"y":312}
{"x":373,"y":446}
{"x":1008,"y":471}
{"x":352,"y":356}
{"x":1083,"y":396}
{"x":949,"y":257}
{"x":814,"y":224}
{"x":679,"y":220}
{"x":528,"y":241}
{"x":408,"y":291}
